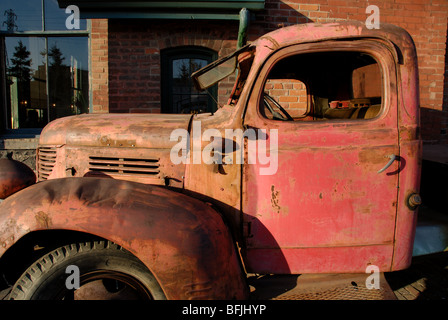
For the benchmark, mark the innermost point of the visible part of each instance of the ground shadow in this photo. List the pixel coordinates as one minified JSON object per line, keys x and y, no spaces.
{"x":425,"y":279}
{"x":433,"y":187}
{"x":265,"y":287}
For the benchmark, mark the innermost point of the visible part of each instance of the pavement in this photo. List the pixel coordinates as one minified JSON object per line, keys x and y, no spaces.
{"x":318,"y":287}
{"x":425,"y":279}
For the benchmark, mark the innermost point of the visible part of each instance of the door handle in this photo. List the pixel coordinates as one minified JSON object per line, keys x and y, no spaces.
{"x":392,"y":159}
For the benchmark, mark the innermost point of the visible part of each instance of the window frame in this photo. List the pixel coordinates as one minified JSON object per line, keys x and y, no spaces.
{"x":366,"y":46}
{"x":42,"y":33}
{"x":167,"y":56}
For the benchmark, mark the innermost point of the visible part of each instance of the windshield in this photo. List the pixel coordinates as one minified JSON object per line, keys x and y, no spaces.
{"x":217,"y":71}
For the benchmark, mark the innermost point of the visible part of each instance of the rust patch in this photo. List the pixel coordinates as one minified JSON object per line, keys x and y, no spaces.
{"x":43,"y":220}
{"x":275,"y":44}
{"x":371,"y":156}
{"x":274,"y":199}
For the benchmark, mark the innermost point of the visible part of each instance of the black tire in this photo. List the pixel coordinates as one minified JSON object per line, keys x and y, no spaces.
{"x":99,"y":260}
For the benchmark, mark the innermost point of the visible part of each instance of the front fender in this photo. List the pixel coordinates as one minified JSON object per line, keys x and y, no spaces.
{"x":183,"y":241}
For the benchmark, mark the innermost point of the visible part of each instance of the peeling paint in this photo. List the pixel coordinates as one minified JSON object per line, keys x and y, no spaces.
{"x":274,"y":199}
{"x":43,"y":220}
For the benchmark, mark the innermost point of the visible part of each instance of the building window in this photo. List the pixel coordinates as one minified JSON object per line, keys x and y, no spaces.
{"x":178,"y":92}
{"x":44,"y":65}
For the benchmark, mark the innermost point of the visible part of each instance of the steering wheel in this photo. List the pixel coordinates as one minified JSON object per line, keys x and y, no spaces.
{"x":267,"y":99}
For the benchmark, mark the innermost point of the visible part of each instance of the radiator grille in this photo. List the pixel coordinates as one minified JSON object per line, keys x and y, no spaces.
{"x":124,"y":166}
{"x":45,"y":162}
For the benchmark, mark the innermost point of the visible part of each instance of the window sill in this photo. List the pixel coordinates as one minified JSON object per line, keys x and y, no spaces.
{"x":18,"y":142}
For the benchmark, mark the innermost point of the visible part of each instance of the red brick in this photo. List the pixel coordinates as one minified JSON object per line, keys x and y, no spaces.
{"x":288,"y":99}
{"x":309,"y":7}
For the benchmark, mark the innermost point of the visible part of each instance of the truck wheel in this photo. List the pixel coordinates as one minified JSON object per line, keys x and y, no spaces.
{"x":99,"y":270}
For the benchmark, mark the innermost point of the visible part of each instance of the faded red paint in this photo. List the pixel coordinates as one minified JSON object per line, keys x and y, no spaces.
{"x":326,"y":209}
{"x":182,"y":240}
{"x":333,"y":212}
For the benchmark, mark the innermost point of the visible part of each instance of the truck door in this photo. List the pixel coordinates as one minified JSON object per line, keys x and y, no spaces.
{"x":329,"y":114}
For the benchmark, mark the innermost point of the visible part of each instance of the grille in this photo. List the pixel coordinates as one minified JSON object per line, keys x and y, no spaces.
{"x":123,"y":166}
{"x":46,"y":161}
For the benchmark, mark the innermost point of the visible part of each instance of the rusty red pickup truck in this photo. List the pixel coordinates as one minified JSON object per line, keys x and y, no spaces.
{"x":312,"y":166}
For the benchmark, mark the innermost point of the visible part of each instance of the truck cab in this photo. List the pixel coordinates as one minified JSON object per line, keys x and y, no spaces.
{"x":312,"y":166}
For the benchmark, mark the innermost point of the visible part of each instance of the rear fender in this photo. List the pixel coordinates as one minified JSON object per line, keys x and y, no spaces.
{"x":183,"y":241}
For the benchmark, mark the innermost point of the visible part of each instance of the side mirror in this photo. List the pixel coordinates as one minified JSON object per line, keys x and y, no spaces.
{"x":214,"y":72}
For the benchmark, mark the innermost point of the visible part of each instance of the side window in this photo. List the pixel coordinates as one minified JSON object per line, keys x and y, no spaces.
{"x":323,"y":86}
{"x":290,"y":94}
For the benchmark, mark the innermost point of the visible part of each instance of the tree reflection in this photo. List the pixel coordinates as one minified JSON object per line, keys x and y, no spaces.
{"x":20,"y":76}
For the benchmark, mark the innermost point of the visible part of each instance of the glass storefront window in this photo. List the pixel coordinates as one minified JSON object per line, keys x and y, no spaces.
{"x":67,"y":76}
{"x":45,"y":66}
{"x":34,"y":15}
{"x":26,"y":79}
{"x":20,"y":15}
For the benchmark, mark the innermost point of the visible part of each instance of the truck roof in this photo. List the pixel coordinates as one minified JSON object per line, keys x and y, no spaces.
{"x":310,"y":32}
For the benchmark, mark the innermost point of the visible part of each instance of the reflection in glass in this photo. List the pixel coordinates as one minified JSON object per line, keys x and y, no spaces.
{"x":46,"y":77}
{"x":26,"y":15}
{"x":67,"y":76}
{"x":26,"y":78}
{"x":67,"y":83}
{"x":186,"y":98}
{"x":20,"y":15}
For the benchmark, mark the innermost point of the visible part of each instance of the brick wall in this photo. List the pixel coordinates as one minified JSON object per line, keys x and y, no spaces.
{"x":134,"y":50}
{"x":134,"y":57}
{"x":290,"y":93}
{"x":99,"y":75}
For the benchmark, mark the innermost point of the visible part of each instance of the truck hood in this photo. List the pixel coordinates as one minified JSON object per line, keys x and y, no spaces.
{"x":115,"y":130}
